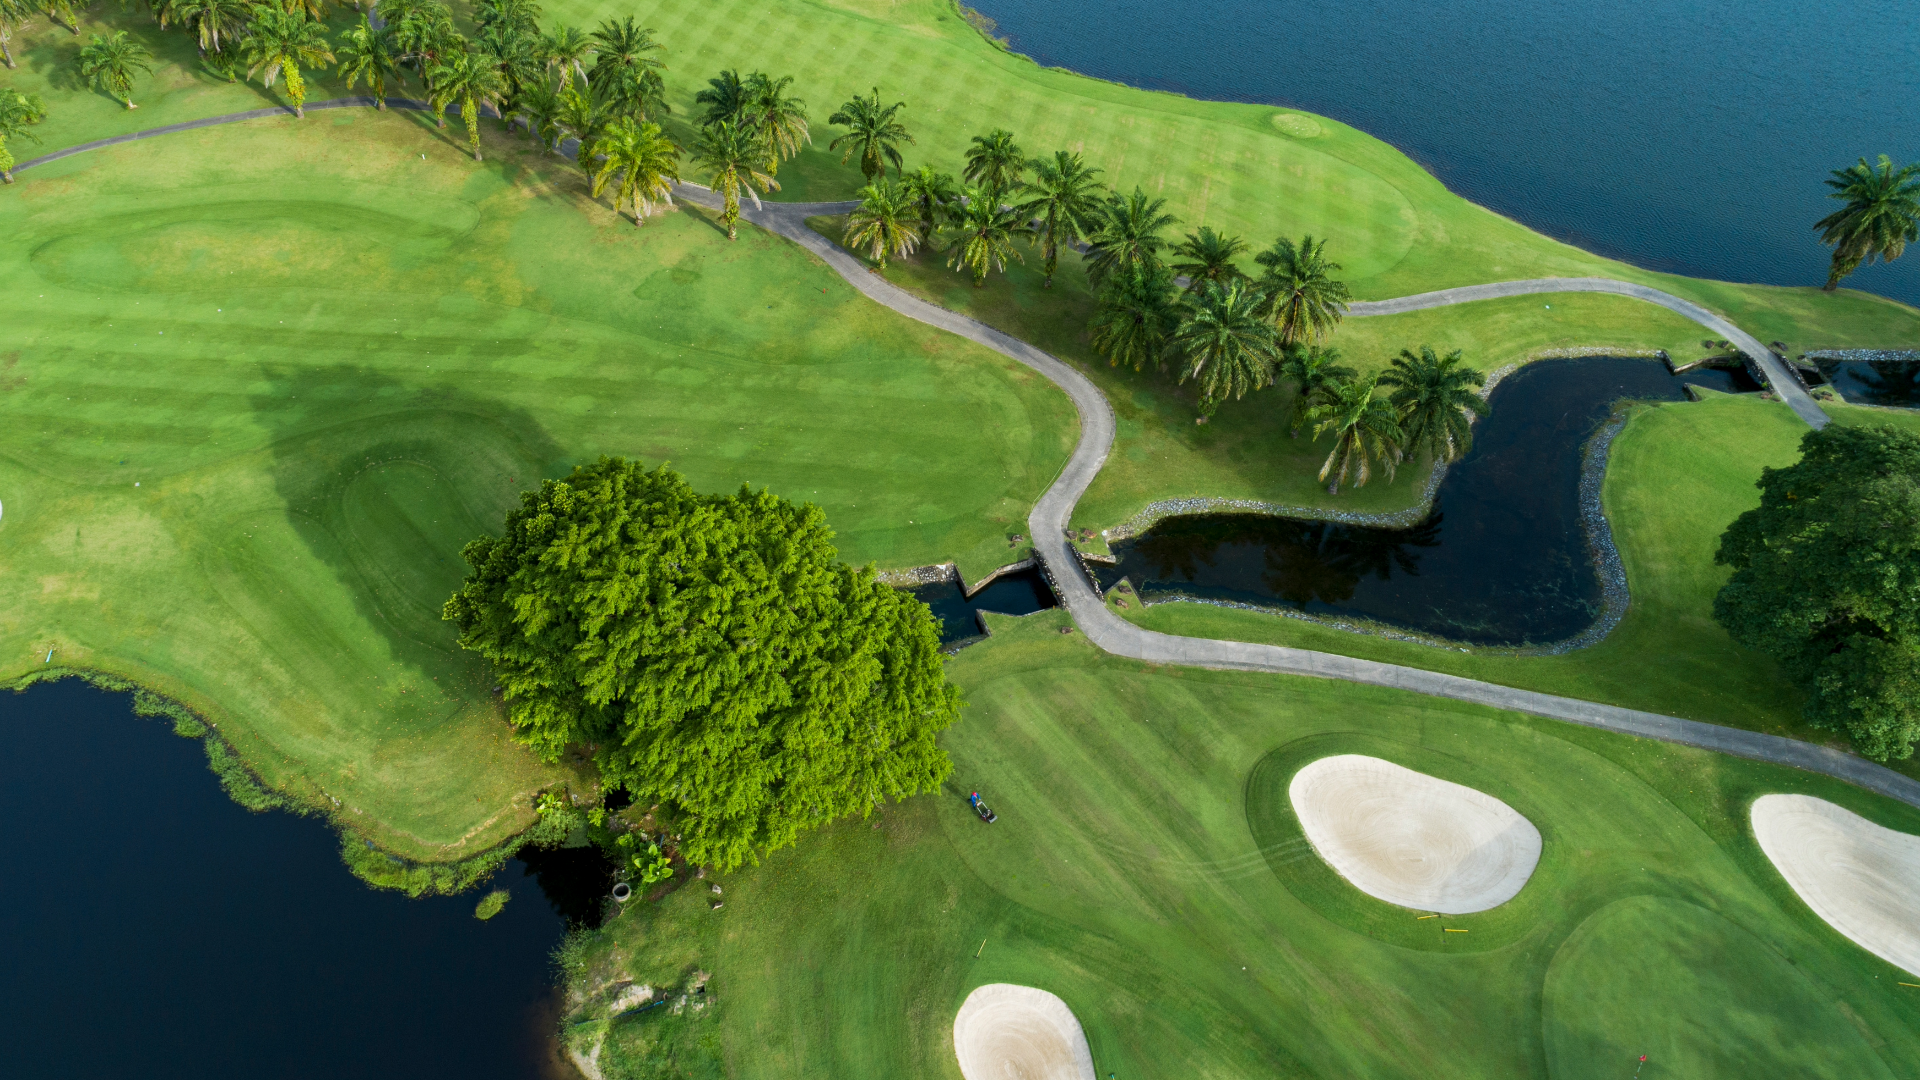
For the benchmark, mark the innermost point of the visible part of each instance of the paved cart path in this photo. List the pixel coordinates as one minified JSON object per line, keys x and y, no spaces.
{"x":1048,"y":521}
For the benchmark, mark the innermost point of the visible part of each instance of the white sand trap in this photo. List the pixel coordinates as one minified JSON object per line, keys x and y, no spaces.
{"x":1008,"y":1032}
{"x":1864,"y":879}
{"x":1413,"y":839}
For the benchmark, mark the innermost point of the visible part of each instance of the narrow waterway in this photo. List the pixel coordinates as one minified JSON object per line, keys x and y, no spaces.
{"x":1503,"y":559}
{"x":153,"y":928}
{"x":1019,"y":592}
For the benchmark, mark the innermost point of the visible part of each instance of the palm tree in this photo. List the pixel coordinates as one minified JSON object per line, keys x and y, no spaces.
{"x":647,"y":162}
{"x":14,"y":16}
{"x":1303,"y":299}
{"x":725,"y":97}
{"x":778,"y":118}
{"x":586,"y":119}
{"x":470,"y":78}
{"x":1223,"y":341}
{"x":983,"y":228}
{"x":18,"y":112}
{"x":216,"y":23}
{"x":1365,"y":428}
{"x":1065,"y":197}
{"x":1127,"y":234}
{"x":1136,"y":317}
{"x":995,"y":161}
{"x":541,"y":109}
{"x":1437,"y":398}
{"x":312,"y":9}
{"x":731,"y":157}
{"x":565,"y":49}
{"x":62,"y":12}
{"x":520,"y":16}
{"x":931,"y":193}
{"x":626,"y":73}
{"x":1208,"y":256}
{"x":423,"y":32}
{"x":1881,"y":218}
{"x":366,"y":53}
{"x":882,"y":224}
{"x":515,"y":54}
{"x":281,"y":43}
{"x":110,"y":63}
{"x":873,"y":133}
{"x":1309,"y":368}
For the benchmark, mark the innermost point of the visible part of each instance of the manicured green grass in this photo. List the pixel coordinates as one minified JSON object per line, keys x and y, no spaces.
{"x":328,"y":363}
{"x":1147,"y":868}
{"x":1678,"y":475}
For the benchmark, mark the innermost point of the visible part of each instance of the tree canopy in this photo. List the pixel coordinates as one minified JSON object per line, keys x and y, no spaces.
{"x":1827,"y":581}
{"x":710,"y":652}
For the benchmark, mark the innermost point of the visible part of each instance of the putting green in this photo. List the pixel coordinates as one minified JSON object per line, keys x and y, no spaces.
{"x":1145,"y":869}
{"x":328,"y":364}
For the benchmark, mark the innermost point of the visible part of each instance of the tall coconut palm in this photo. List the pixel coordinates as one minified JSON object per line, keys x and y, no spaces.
{"x":983,"y":228}
{"x":62,"y":12}
{"x":873,"y":134}
{"x":1065,"y":199}
{"x":516,"y":55}
{"x":14,"y":17}
{"x":587,"y":119}
{"x":995,"y":160}
{"x":730,"y":155}
{"x":725,"y":98}
{"x":541,"y":109}
{"x":778,"y":119}
{"x":1127,"y":234}
{"x":18,"y":112}
{"x":1136,"y":316}
{"x":1365,"y":428}
{"x":1303,"y":299}
{"x":565,"y":50}
{"x":281,"y":43}
{"x":646,"y":161}
{"x":1881,"y":218}
{"x":423,"y":32}
{"x":470,"y":79}
{"x":882,"y":224}
{"x":520,"y":16}
{"x":110,"y":63}
{"x":1437,"y":398}
{"x":1310,"y":368}
{"x":216,"y":23}
{"x":625,"y":72}
{"x":931,"y":192}
{"x":1208,"y":256}
{"x":366,"y":54}
{"x":1224,"y":342}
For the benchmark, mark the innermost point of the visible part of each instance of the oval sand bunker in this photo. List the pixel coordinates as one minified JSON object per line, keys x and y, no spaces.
{"x":1008,"y":1032}
{"x":1413,"y":839}
{"x":1862,"y":878}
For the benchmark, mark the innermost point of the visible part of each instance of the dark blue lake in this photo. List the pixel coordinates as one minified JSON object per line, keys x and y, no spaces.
{"x":153,"y":928}
{"x":1687,"y":136}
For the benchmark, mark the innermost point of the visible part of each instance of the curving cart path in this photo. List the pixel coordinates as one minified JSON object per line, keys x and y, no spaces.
{"x":1048,"y":521}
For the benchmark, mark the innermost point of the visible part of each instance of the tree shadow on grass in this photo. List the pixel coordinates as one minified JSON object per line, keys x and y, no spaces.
{"x":385,"y":480}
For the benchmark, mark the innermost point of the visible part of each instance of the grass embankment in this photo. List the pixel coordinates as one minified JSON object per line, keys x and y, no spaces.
{"x":1147,"y":868}
{"x":1677,"y":476}
{"x":328,"y":364}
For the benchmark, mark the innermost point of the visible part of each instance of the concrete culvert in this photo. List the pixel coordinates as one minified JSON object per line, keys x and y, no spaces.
{"x":622,"y":892}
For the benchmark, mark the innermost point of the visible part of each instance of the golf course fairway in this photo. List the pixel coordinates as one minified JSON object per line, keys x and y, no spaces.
{"x":1148,"y":869}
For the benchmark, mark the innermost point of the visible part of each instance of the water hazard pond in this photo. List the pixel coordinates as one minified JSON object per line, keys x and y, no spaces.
{"x":153,"y":928}
{"x":1503,"y":558}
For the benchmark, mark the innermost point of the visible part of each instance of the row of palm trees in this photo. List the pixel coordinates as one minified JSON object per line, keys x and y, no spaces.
{"x":18,"y":113}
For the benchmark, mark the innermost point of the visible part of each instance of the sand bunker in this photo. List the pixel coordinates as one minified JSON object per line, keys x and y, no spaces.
{"x":1413,"y":839}
{"x":1008,"y":1032}
{"x":1864,"y":879}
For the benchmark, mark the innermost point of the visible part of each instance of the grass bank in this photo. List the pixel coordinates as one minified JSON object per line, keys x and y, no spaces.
{"x":261,"y":383}
{"x":1148,"y":869}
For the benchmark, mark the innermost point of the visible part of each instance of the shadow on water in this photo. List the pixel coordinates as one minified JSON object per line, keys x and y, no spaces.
{"x":1875,"y":382}
{"x":1021,"y":592}
{"x":166,"y":932}
{"x":1502,"y":560}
